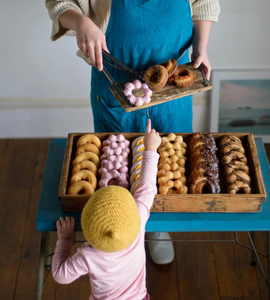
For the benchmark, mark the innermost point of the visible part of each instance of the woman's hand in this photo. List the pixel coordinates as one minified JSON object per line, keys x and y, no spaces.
{"x":201,"y":59}
{"x":65,"y":228}
{"x":90,"y":39}
{"x":152,"y":139}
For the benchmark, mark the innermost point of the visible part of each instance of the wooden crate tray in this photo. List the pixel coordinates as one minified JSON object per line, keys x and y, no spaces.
{"x":179,"y":203}
{"x":168,"y":92}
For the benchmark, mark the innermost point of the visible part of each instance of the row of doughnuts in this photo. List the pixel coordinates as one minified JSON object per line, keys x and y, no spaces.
{"x":234,"y":164}
{"x":85,"y":165}
{"x":204,"y":164}
{"x":137,"y":148}
{"x":168,"y":72}
{"x":114,"y":161}
{"x":171,"y":167}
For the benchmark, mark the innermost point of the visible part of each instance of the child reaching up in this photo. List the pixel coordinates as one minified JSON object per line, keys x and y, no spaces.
{"x":113,"y":223}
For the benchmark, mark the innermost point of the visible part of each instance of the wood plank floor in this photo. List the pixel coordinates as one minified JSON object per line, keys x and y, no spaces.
{"x":200,"y":270}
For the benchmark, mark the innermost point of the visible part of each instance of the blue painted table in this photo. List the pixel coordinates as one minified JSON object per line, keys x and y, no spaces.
{"x":49,"y":209}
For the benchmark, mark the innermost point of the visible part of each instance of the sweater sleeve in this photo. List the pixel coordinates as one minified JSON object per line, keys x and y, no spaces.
{"x":66,"y":268}
{"x":146,"y":188}
{"x":205,"y":10}
{"x":55,"y":10}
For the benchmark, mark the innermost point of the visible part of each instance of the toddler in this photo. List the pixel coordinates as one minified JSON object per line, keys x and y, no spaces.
{"x":113,"y":223}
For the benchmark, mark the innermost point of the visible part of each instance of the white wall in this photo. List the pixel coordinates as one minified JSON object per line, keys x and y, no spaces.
{"x":44,"y":87}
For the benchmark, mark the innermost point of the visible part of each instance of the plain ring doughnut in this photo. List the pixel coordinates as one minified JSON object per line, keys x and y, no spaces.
{"x":84,"y":175}
{"x":89,"y":138}
{"x":87,"y":148}
{"x":156,"y":76}
{"x":85,"y":165}
{"x":81,"y":187}
{"x":86,"y":156}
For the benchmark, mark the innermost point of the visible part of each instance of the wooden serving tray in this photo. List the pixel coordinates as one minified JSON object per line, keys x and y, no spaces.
{"x":168,"y":92}
{"x":179,"y":203}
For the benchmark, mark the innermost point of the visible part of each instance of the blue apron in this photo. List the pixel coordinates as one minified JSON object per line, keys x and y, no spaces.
{"x":142,"y":33}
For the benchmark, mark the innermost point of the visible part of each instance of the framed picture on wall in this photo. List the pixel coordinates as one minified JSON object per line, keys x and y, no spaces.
{"x":240,"y":102}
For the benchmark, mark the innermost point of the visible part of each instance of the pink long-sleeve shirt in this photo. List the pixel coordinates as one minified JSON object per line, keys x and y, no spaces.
{"x":119,"y":275}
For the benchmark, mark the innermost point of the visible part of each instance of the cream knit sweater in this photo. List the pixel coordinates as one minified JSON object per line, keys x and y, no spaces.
{"x":99,"y":12}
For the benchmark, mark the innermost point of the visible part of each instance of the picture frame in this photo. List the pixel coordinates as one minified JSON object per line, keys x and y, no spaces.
{"x":240,"y":102}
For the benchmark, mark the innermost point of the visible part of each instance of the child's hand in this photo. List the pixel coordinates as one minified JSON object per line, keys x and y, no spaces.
{"x":65,"y":228}
{"x":152,"y":139}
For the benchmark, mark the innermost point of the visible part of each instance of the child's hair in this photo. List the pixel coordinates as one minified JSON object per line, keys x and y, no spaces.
{"x":110,"y":219}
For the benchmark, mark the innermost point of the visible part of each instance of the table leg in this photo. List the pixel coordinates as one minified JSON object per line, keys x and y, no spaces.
{"x":41,"y":264}
{"x":48,"y":251}
{"x":253,"y":255}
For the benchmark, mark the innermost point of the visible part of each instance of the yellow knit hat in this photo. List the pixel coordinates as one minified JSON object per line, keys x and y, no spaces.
{"x":110,"y":219}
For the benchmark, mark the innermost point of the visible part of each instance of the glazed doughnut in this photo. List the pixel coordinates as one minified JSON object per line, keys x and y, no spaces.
{"x":85,"y":165}
{"x":89,"y":138}
{"x":86,"y":176}
{"x":228,"y":139}
{"x":182,"y":77}
{"x":138,"y":156}
{"x":133,"y":187}
{"x":81,"y":187}
{"x":136,"y":166}
{"x":86,"y":156}
{"x":137,"y":149}
{"x":235,"y":165}
{"x":239,"y":186}
{"x":138,"y":141}
{"x":137,"y":100}
{"x":171,"y":66}
{"x":156,"y":76}
{"x":114,"y":177}
{"x":134,"y":176}
{"x":87,"y":148}
{"x":233,"y":155}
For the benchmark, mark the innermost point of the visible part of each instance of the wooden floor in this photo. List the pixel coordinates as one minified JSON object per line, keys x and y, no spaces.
{"x":200,"y":270}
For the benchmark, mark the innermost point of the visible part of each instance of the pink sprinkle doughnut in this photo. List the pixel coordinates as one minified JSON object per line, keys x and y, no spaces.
{"x":138,"y":101}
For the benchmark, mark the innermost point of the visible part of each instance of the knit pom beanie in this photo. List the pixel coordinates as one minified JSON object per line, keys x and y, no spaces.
{"x":110,"y":219}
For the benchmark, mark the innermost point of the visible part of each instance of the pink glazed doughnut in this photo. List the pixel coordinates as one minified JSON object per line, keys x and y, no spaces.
{"x":113,"y":177}
{"x":138,"y":101}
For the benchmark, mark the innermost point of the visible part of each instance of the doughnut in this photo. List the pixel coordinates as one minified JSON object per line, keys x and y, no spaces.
{"x":171,"y":66}
{"x":239,"y":186}
{"x":137,"y":157}
{"x":231,"y":146}
{"x":227,"y":139}
{"x":85,"y":165}
{"x":203,"y":185}
{"x":87,"y":148}
{"x":136,"y":166}
{"x":116,"y":141}
{"x":233,"y":155}
{"x":86,"y":156}
{"x":182,"y":77}
{"x":138,"y":141}
{"x":172,"y":187}
{"x":133,"y":187}
{"x":156,"y":76}
{"x":135,"y":176}
{"x":89,"y":138}
{"x":137,"y":149}
{"x":114,"y":177}
{"x":172,"y":167}
{"x":235,"y":165}
{"x":137,"y":100}
{"x":115,"y":165}
{"x":81,"y":187}
{"x":86,"y":176}
{"x":171,"y":137}
{"x":237,"y":175}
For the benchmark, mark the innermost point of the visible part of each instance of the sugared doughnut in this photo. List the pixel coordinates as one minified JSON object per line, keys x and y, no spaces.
{"x":86,"y":156}
{"x":156,"y":76}
{"x":88,"y":147}
{"x":138,"y":101}
{"x":89,"y":138}
{"x":84,"y":175}
{"x":85,"y":165}
{"x":171,"y":66}
{"x":81,"y":187}
{"x":182,"y":77}
{"x":137,"y":141}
